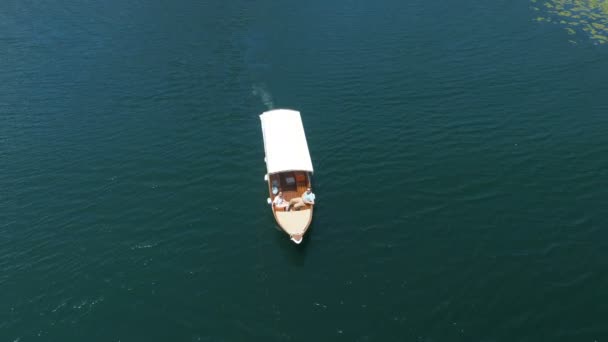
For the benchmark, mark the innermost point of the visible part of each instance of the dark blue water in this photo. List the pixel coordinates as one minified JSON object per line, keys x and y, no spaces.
{"x":461,"y":172}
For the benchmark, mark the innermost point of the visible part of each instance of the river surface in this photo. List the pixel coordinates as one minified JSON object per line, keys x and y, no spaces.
{"x":461,"y":172}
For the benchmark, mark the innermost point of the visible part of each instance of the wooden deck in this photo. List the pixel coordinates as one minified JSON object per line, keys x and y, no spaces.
{"x":294,"y":223}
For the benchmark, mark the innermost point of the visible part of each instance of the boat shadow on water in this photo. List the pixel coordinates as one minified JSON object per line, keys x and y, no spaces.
{"x":295,"y":253}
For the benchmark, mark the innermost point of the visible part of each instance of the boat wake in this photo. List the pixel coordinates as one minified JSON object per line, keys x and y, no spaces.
{"x":260,"y":91}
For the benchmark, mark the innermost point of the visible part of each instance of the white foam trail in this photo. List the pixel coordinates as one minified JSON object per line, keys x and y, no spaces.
{"x":143,"y":245}
{"x":264,"y":95}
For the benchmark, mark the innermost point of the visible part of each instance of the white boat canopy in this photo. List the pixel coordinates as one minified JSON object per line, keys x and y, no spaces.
{"x":284,"y":141}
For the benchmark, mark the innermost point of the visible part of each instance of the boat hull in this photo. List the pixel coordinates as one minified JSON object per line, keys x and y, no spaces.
{"x":288,"y":169}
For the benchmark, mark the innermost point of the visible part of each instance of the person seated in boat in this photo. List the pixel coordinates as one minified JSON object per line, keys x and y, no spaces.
{"x":280,"y":202}
{"x":307,"y":198}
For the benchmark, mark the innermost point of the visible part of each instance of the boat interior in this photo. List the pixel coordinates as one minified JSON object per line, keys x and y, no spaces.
{"x":292,"y":184}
